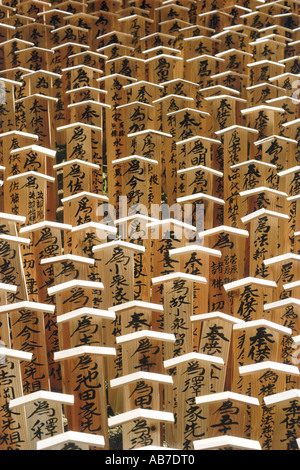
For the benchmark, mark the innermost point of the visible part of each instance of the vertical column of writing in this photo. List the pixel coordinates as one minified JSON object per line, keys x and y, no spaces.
{"x":83,"y":332}
{"x":248,"y":298}
{"x":162,"y":68}
{"x":46,"y":240}
{"x":44,"y":414}
{"x":195,"y":158}
{"x":191,"y":376}
{"x":224,"y":238}
{"x":33,"y":201}
{"x":116,"y":262}
{"x":226,"y":414}
{"x":264,"y":381}
{"x":142,"y":380}
{"x":135,"y":177}
{"x":194,"y":259}
{"x":5,"y":339}
{"x":11,"y":268}
{"x":141,"y":181}
{"x":28,"y":335}
{"x":80,"y":324}
{"x":216,"y":340}
{"x":86,"y":379}
{"x":115,"y":136}
{"x":178,"y":309}
{"x":286,"y":407}
{"x":165,"y":105}
{"x":13,"y":426}
{"x":167,"y":235}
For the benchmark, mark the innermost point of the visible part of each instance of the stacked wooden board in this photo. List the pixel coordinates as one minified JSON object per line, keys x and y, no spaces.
{"x":149,"y":224}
